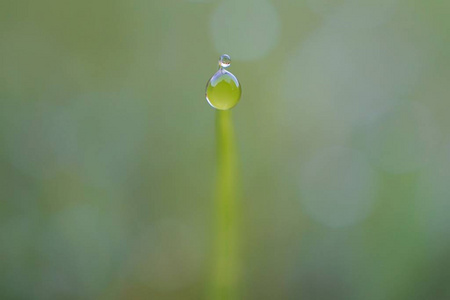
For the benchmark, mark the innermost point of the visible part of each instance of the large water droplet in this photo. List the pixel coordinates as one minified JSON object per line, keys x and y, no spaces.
{"x":223,"y":90}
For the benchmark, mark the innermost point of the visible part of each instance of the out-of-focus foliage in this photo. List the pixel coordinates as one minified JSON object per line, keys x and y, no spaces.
{"x":107,"y":157}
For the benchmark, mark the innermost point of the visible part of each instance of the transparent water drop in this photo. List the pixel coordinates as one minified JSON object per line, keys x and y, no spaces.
{"x":223,"y":90}
{"x":225,"y":61}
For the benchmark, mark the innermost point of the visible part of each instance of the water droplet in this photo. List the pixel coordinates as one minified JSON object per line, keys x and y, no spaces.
{"x":225,"y":61}
{"x":223,"y":90}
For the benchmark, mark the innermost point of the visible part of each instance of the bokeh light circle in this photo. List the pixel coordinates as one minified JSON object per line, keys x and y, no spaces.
{"x":354,"y":14}
{"x":402,"y":139}
{"x":337,"y":79}
{"x":432,"y":198}
{"x":246,"y":29}
{"x":324,"y":7}
{"x":338,"y":187}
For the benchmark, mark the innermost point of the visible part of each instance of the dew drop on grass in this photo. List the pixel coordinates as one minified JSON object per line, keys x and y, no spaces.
{"x":223,"y":90}
{"x":225,"y":61}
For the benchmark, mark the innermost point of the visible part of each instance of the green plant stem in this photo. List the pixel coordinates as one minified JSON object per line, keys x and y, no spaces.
{"x":226,"y":259}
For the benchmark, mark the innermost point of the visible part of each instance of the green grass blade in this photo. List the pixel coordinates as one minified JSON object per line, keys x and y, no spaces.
{"x":226,"y":268}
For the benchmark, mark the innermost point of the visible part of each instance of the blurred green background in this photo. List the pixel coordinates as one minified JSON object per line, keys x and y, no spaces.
{"x":107,"y":157}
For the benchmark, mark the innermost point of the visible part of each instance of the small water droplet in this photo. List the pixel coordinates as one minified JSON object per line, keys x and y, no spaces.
{"x":225,"y":61}
{"x":223,"y":90}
